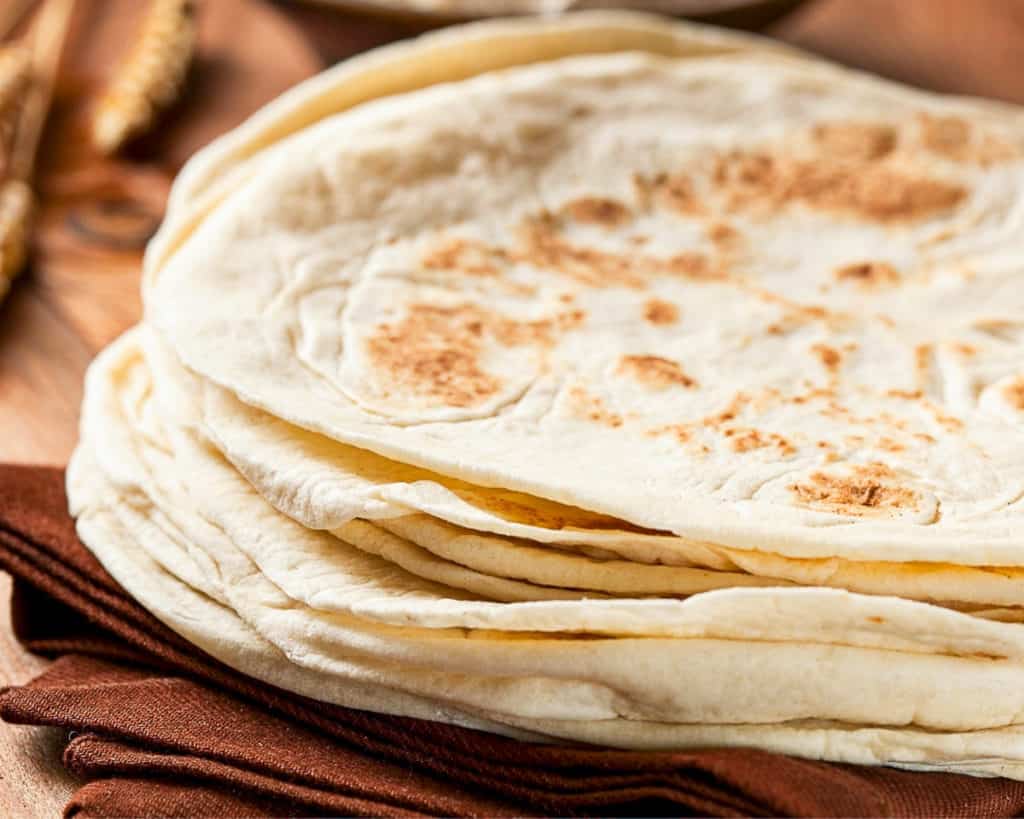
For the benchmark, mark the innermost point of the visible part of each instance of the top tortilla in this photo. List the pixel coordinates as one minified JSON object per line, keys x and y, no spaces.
{"x":592,"y":280}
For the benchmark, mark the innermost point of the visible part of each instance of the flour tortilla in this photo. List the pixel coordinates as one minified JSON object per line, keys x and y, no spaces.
{"x":214,"y":627}
{"x":542,"y":565}
{"x":325,"y":484}
{"x":222,"y":634}
{"x":178,"y":496}
{"x":441,"y":56}
{"x":277,"y":271}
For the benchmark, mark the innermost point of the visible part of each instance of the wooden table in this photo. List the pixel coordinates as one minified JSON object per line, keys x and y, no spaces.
{"x":96,"y":214}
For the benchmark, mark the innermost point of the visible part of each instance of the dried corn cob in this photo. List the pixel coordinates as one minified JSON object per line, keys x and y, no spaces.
{"x":150,"y":78}
{"x":15,"y":213}
{"x":15,"y":67}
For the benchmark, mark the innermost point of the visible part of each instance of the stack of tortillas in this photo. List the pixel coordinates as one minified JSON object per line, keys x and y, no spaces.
{"x":602,"y":378}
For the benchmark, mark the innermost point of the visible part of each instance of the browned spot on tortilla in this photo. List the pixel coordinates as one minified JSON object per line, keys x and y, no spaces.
{"x":736,"y":406}
{"x":661,"y":312}
{"x":954,"y":138}
{"x":890,"y":445}
{"x":672,"y":191}
{"x":434,"y":352}
{"x":691,"y":265}
{"x":868,"y":190}
{"x":463,"y":255}
{"x":655,"y":371}
{"x":543,"y":245}
{"x":570,"y":320}
{"x":1014,"y":393}
{"x":723,"y":234}
{"x":876,"y":619}
{"x":1001,"y":329}
{"x":595,"y":210}
{"x":923,"y":363}
{"x":863,"y":141}
{"x":874,"y":469}
{"x":964,"y":349}
{"x":830,"y":357}
{"x":745,"y":440}
{"x":812,"y":394}
{"x":868,"y":274}
{"x":865,"y":488}
{"x":592,"y":408}
{"x":681,"y":432}
{"x":794,"y":314}
{"x":909,"y":395}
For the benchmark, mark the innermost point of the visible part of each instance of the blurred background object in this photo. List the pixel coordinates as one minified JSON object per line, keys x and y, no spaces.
{"x":27,"y":77}
{"x":150,"y":78}
{"x":745,"y":13}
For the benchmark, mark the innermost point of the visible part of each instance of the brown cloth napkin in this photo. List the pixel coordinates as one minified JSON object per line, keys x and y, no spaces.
{"x":157,"y":728}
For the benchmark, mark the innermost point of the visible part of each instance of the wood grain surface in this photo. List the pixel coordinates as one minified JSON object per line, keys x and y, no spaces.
{"x":96,"y":214}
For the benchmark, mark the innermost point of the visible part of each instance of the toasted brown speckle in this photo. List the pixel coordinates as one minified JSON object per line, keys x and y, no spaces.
{"x":736,"y":406}
{"x":463,"y":255}
{"x":923,"y":362}
{"x":590,"y":407}
{"x":866,"y":488}
{"x":661,"y":312}
{"x":683,"y":433}
{"x":890,"y":445}
{"x":750,"y":439}
{"x":543,"y":245}
{"x":596,"y":210}
{"x":907,"y":395}
{"x":674,"y":192}
{"x":868,"y":274}
{"x":953,"y":138}
{"x":869,"y":190}
{"x":1014,"y":393}
{"x":855,"y":140}
{"x":723,"y":234}
{"x":434,"y":352}
{"x":831,"y":359}
{"x":655,"y":371}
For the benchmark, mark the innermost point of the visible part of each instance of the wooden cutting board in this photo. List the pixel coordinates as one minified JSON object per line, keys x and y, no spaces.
{"x":96,"y":214}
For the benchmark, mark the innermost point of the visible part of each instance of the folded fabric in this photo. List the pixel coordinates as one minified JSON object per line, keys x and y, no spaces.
{"x":159,"y":728}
